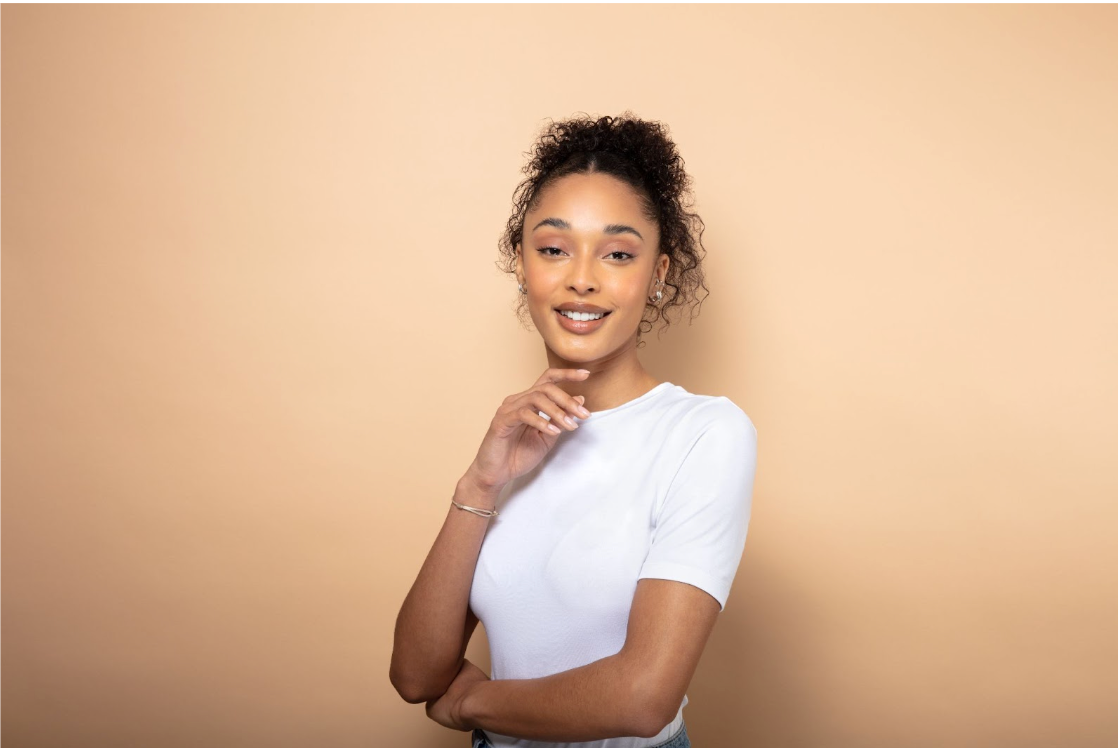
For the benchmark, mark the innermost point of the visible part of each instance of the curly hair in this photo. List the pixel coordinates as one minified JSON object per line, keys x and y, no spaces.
{"x":639,"y":153}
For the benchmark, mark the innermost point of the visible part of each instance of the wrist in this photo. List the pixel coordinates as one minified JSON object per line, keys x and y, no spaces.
{"x":468,"y":706}
{"x":476,"y":492}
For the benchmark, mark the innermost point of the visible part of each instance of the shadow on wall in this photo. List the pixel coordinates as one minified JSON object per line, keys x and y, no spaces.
{"x":752,"y":686}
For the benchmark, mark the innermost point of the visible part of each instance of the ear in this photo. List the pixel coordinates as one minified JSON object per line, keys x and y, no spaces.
{"x":519,"y":262}
{"x":663,"y":262}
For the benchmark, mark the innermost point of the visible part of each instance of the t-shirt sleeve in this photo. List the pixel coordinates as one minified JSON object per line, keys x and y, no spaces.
{"x":699,"y":532}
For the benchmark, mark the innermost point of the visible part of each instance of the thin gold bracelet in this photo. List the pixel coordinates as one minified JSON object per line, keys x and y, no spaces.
{"x":479,"y":512}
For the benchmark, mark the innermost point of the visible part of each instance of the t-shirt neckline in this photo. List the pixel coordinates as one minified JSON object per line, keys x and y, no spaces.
{"x":597,"y":415}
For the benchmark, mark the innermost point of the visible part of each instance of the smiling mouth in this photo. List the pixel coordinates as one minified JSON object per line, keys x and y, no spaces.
{"x":578,"y":317}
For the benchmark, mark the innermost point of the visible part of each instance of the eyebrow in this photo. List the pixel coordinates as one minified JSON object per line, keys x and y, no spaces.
{"x":612,"y":228}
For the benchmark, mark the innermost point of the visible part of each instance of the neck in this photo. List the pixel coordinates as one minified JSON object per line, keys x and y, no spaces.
{"x":613,"y":381}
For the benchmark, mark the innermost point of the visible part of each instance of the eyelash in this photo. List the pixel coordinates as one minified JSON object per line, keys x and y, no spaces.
{"x":628,"y":255}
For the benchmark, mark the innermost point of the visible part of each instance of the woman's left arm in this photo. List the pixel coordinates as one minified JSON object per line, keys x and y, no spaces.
{"x":635,"y":692}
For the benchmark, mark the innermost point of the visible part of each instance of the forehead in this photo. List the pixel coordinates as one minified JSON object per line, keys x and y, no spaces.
{"x":590,"y":200}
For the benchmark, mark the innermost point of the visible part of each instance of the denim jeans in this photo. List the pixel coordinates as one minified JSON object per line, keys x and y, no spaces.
{"x":679,"y":740}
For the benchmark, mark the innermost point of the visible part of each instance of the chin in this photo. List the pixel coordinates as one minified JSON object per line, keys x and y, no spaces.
{"x":584,"y":353}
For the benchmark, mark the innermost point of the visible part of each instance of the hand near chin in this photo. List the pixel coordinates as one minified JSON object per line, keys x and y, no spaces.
{"x":519,"y":437}
{"x":446,"y":710}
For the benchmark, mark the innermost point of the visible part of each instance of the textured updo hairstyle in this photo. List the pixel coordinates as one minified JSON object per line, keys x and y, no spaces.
{"x":640,"y":154}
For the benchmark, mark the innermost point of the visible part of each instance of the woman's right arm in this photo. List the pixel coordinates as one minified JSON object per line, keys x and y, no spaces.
{"x":435,"y":622}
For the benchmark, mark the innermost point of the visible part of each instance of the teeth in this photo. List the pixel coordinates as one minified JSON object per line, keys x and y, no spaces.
{"x":582,"y":316}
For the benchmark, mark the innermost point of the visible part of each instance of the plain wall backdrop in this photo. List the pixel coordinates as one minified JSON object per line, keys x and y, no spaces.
{"x":253,"y":333}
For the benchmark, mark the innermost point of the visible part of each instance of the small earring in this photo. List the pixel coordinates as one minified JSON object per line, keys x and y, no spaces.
{"x":522,"y":287}
{"x":659,"y":294}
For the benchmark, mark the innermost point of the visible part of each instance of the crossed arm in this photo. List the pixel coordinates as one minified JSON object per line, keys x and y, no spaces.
{"x":634,"y":692}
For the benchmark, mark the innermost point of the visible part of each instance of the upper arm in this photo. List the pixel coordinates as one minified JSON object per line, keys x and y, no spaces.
{"x":467,"y":632}
{"x":669,"y":625}
{"x":696,"y":547}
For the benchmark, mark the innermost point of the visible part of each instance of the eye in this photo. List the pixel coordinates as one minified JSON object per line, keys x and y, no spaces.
{"x":544,"y":251}
{"x":627,"y":256}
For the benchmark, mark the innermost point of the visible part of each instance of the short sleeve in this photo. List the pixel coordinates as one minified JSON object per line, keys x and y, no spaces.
{"x":699,"y":532}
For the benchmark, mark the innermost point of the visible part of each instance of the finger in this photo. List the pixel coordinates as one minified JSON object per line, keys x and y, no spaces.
{"x":562,"y":375}
{"x":528,"y":415}
{"x":553,"y":410}
{"x":565,"y":400}
{"x":542,"y":404}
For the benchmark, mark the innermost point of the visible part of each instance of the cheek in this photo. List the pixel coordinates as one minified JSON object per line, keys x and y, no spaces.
{"x":633,"y":301}
{"x":542,"y":276}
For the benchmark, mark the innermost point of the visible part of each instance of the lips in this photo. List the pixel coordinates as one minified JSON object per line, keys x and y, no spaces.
{"x":578,"y":326}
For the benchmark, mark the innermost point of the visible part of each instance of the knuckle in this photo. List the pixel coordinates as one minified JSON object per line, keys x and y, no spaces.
{"x":558,"y":394}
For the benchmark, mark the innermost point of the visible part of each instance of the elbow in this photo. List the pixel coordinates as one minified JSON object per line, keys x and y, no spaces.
{"x":413,"y":694}
{"x":412,"y":691}
{"x":408,"y":691}
{"x":649,"y":713}
{"x":409,"y":694}
{"x":650,"y":724}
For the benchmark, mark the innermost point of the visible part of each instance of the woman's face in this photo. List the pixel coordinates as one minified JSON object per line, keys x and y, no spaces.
{"x":587,"y":242}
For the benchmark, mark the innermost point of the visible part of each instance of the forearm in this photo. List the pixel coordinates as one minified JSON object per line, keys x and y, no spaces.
{"x":593,"y":702}
{"x":430,"y":628}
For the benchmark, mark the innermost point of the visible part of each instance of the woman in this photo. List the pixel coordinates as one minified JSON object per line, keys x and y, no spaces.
{"x":600,"y":526}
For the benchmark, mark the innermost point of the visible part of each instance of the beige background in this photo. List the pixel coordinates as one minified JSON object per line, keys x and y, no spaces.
{"x":253,"y":333}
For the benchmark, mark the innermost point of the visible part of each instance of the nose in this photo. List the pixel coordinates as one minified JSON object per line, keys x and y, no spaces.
{"x":581,"y":273}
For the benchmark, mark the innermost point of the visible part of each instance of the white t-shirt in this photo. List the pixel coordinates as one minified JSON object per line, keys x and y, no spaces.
{"x":660,"y":486}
